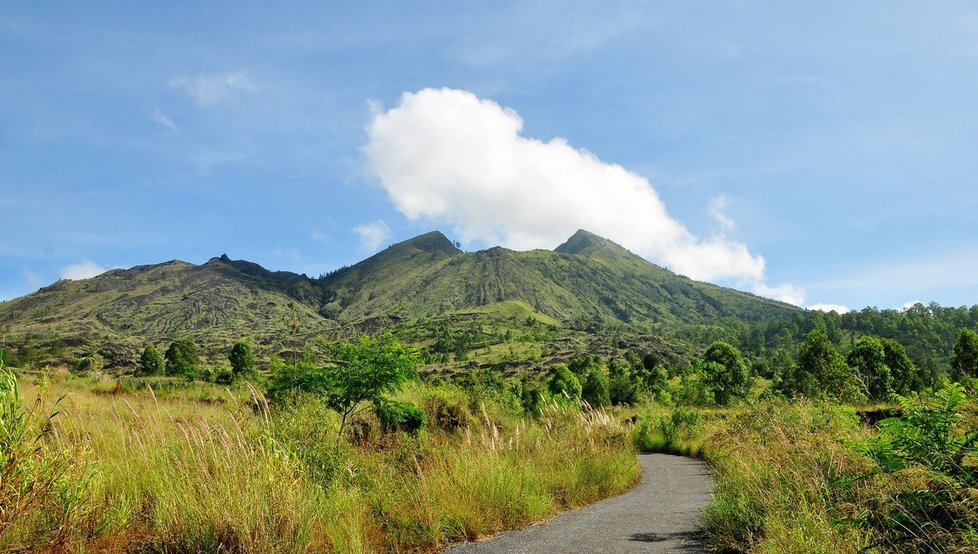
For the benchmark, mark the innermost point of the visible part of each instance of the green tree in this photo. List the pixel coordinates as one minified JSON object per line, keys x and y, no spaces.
{"x":182,"y":359}
{"x":360,"y":373}
{"x":623,"y":385}
{"x":821,"y":371}
{"x":242,"y":359}
{"x":151,"y":361}
{"x":964,"y":360}
{"x":906,"y":376}
{"x":725,"y":372}
{"x":868,"y":359}
{"x":563,"y":384}
{"x":595,"y":388}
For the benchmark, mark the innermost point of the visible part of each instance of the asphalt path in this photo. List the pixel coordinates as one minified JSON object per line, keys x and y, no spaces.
{"x":662,"y":514}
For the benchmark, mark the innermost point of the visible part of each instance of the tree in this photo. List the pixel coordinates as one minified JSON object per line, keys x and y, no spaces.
{"x":595,"y":390}
{"x":964,"y":361}
{"x":868,"y":359}
{"x":182,"y":359}
{"x":623,"y":385}
{"x":151,"y":361}
{"x":563,"y":383}
{"x":906,"y":376}
{"x":821,"y":371}
{"x":241,"y":358}
{"x":360,"y":373}
{"x":725,"y":372}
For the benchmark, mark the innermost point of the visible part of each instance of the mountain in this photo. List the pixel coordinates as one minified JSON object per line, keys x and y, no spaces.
{"x":587,"y":281}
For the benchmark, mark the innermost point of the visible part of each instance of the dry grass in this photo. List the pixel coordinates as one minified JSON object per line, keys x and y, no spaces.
{"x":213,"y":470}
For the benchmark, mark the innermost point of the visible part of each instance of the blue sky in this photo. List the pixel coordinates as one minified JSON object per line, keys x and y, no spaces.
{"x":824,"y":153}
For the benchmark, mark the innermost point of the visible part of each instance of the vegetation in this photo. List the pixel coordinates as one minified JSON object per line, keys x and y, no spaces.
{"x":182,"y":359}
{"x":151,"y":361}
{"x":453,"y":395}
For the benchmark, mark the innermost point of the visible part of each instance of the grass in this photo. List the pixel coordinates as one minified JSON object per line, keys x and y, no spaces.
{"x":207,"y":469}
{"x":796,"y":477}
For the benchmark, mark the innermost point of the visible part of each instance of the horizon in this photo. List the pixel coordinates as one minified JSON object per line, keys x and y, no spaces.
{"x":734,"y":144}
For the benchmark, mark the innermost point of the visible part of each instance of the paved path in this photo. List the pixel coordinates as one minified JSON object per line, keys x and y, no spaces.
{"x":661,"y":514}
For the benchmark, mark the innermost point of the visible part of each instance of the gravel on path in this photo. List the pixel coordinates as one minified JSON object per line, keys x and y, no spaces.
{"x":662,"y":514}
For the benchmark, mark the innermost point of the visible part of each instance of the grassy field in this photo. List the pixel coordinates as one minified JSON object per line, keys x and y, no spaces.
{"x":815,"y":477}
{"x":202,"y":468}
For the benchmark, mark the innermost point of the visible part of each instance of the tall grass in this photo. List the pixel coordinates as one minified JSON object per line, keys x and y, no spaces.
{"x":217,"y":470}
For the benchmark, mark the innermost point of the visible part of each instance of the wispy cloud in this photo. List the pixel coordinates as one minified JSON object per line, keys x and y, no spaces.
{"x":211,"y":89}
{"x":32,"y":280}
{"x":164,"y":120}
{"x":372,"y":235}
{"x":718,"y":211}
{"x":84,"y":269}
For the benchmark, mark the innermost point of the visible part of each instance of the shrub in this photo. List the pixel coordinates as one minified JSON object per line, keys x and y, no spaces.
{"x":934,"y":500}
{"x":400,"y":416}
{"x":446,"y":415}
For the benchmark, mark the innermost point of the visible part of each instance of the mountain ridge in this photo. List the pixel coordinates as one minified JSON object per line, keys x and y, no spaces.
{"x":588,"y":280}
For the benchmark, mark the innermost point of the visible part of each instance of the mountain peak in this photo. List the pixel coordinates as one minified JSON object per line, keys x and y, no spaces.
{"x":585,"y":241}
{"x":434,"y":242}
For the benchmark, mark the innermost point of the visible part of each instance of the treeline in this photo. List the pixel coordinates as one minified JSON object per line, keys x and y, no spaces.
{"x":928,"y":333}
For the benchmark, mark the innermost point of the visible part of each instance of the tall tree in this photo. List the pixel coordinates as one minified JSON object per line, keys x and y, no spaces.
{"x":182,"y":359}
{"x":906,"y":377}
{"x":242,"y":359}
{"x":964,"y":360}
{"x":726,"y":372}
{"x":868,"y":359}
{"x":151,"y":361}
{"x":821,"y":371}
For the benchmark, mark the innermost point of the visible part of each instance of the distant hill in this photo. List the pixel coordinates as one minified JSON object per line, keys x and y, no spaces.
{"x":588,"y":280}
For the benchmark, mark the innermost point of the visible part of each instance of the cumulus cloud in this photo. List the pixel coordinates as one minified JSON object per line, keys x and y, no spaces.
{"x":372,"y":235}
{"x":828,"y":308}
{"x":211,"y":89}
{"x":447,"y":156}
{"x":907,"y":305}
{"x":82,"y":270}
{"x":163,"y":119}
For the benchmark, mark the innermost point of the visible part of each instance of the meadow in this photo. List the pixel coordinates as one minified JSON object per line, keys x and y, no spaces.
{"x":189,"y":468}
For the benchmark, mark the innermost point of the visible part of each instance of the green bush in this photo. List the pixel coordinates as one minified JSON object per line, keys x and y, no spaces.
{"x":400,"y":416}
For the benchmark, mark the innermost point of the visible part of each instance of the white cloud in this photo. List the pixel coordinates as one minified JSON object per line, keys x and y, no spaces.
{"x":372,"y":235}
{"x":320,"y":236}
{"x":907,"y":305}
{"x":447,"y":156}
{"x":164,"y":120}
{"x":718,"y":211}
{"x":784,"y":292}
{"x":82,"y":270}
{"x":828,"y":308}
{"x":208,"y":90}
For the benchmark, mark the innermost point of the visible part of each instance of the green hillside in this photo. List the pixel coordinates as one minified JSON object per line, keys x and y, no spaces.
{"x":586,"y":283}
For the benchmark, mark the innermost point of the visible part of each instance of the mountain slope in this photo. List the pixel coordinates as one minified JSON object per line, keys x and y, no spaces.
{"x":588,"y":278}
{"x":586,"y":281}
